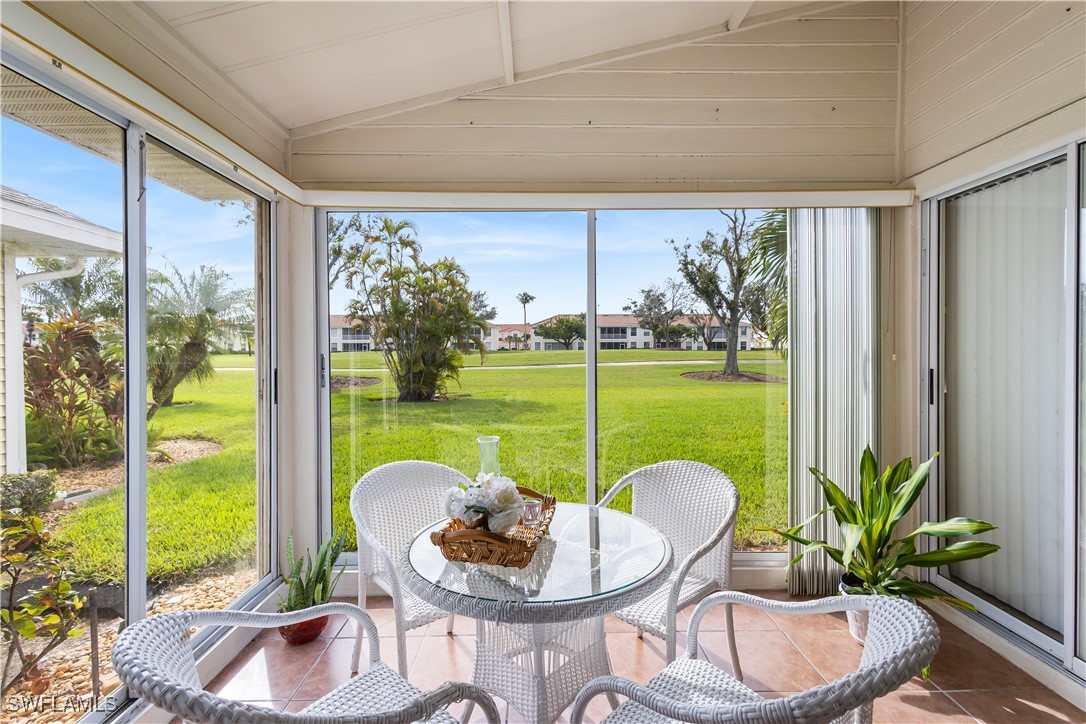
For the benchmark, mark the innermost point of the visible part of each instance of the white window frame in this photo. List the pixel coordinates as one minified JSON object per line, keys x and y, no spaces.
{"x":135,"y":245}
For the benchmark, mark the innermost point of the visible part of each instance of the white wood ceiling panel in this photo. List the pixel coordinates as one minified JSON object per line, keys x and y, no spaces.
{"x":407,"y":62}
{"x":183,"y":11}
{"x":311,"y":62}
{"x":310,"y":105}
{"x":548,"y":33}
{"x":258,"y":33}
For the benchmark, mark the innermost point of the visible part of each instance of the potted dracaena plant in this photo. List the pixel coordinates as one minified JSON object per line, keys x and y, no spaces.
{"x":872,"y":556}
{"x":310,"y":587}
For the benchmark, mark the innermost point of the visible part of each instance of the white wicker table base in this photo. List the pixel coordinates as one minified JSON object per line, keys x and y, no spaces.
{"x":539,"y":668}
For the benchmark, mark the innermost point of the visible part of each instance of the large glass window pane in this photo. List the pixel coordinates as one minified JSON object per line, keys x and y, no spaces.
{"x":664,"y":390}
{"x":62,"y":397}
{"x":1002,"y":452}
{"x":207,"y":478}
{"x":525,"y":272}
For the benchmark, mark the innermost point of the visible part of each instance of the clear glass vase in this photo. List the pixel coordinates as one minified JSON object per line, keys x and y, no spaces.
{"x":488,"y":455}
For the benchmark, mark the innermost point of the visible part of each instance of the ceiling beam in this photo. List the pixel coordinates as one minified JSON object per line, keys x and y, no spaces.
{"x":506,"y":33}
{"x":739,"y":15}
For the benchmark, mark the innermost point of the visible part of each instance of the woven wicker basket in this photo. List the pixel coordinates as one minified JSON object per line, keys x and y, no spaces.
{"x":474,"y":545}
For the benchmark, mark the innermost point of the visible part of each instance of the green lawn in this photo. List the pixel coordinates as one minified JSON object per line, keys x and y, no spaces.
{"x":202,"y":514}
{"x":646,"y":414}
{"x":505,"y":358}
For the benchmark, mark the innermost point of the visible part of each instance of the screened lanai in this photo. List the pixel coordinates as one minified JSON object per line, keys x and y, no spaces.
{"x":684,"y":259}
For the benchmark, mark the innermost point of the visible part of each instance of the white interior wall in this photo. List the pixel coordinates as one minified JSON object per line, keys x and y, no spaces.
{"x":298,"y":433}
{"x":976,"y":71}
{"x":1023,"y":68}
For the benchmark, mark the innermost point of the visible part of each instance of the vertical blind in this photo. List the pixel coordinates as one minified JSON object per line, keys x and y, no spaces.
{"x":1003,"y":443}
{"x":833,"y":382}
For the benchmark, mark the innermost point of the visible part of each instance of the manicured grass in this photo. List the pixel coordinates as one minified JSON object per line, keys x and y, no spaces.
{"x":200,"y":514}
{"x":647,"y":414}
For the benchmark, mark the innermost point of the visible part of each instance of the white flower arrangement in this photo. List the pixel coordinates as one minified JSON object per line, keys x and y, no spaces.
{"x":491,"y":495}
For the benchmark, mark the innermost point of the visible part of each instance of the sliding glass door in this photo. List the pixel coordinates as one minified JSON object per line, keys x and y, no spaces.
{"x":1002,"y":390}
{"x":135,"y":414}
{"x":62,"y":414}
{"x":484,"y":362}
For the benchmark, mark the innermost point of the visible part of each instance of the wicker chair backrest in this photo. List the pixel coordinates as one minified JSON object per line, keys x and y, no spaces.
{"x":688,"y":502}
{"x":155,"y":659}
{"x":395,"y":501}
{"x":902,"y":639}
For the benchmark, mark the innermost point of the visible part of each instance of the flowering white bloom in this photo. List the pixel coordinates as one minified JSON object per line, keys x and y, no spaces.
{"x":471,"y":516}
{"x":506,"y":497}
{"x":488,"y":480}
{"x":477,"y":497}
{"x":503,"y":522}
{"x":453,"y":503}
{"x":492,"y":495}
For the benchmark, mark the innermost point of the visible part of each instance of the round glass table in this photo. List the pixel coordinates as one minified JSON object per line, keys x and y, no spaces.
{"x":540,"y":628}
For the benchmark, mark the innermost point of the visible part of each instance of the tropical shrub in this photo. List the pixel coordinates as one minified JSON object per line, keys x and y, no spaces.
{"x":314,"y":586}
{"x":49,"y":613}
{"x":421,"y":313}
{"x":74,"y":395}
{"x":32,"y":493}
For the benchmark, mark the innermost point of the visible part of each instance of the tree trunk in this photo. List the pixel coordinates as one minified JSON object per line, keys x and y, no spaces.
{"x":731,"y":364}
{"x":191,"y":356}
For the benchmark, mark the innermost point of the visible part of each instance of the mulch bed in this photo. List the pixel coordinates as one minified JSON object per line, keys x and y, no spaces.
{"x":343,"y":382}
{"x":717,"y":376}
{"x":108,"y":475}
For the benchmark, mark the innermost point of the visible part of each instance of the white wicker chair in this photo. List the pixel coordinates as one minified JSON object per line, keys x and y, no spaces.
{"x":901,"y":640}
{"x":695,"y":506}
{"x":155,"y":659}
{"x":390,"y":504}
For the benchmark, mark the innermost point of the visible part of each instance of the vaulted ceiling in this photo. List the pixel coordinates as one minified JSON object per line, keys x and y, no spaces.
{"x":308,"y":62}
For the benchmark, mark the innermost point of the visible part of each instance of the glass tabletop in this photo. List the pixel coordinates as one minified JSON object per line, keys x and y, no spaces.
{"x":590,"y":553}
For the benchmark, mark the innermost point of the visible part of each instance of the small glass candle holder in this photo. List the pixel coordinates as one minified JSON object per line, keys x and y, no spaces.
{"x":532,"y":512}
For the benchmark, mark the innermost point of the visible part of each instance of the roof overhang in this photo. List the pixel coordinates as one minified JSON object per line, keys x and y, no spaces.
{"x":31,"y":232}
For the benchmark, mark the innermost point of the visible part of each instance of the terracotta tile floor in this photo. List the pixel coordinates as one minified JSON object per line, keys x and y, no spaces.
{"x":780,"y":654}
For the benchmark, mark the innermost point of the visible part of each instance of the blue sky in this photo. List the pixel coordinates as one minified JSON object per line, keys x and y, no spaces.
{"x":544,"y":254}
{"x":182,"y":229}
{"x":504,"y":253}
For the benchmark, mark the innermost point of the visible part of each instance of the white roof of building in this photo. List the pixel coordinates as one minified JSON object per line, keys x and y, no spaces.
{"x":31,"y":227}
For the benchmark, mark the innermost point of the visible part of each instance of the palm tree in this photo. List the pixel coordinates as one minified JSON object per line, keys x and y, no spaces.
{"x":188,"y":316}
{"x":525,"y":299}
{"x":770,"y":257}
{"x":96,"y":293}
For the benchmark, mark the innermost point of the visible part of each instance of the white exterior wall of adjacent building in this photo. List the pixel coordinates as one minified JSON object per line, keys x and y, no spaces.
{"x":342,"y":337}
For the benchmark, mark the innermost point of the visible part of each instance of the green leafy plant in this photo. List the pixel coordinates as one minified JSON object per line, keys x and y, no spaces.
{"x":50,"y":612}
{"x":869,"y":551}
{"x":74,"y":394}
{"x":31,"y":492}
{"x":314,"y":586}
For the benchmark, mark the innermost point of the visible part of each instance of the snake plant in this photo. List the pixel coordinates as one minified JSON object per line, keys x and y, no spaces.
{"x":314,"y":586}
{"x":869,"y":550}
